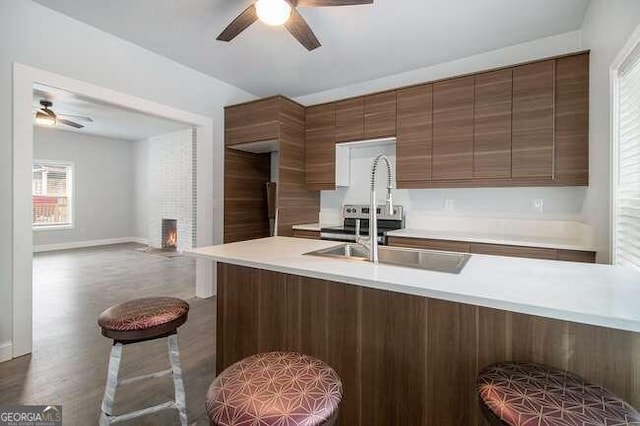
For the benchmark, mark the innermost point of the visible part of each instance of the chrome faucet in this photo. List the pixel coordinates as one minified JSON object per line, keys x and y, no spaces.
{"x":371,"y":242}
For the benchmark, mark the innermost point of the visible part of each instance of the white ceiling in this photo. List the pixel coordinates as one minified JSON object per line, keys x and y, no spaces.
{"x":108,"y":120}
{"x":359,"y":42}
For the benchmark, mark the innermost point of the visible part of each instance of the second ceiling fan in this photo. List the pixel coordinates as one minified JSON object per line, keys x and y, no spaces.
{"x":283,"y":12}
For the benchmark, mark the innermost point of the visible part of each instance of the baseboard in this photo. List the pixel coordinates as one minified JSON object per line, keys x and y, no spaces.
{"x":92,"y":243}
{"x":6,"y":351}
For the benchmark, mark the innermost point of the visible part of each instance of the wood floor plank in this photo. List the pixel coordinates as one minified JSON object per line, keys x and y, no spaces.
{"x":69,"y":362}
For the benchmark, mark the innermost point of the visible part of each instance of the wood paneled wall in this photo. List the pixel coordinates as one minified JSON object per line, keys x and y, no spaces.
{"x":272,"y":119}
{"x":245,"y":197}
{"x":296,"y":203}
{"x":407,"y":360}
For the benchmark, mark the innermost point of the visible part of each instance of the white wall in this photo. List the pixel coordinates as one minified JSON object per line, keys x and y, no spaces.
{"x":165,"y":187}
{"x":141,"y":184}
{"x":537,"y":49}
{"x":103,"y":176}
{"x":33,"y":35}
{"x":514,"y":203}
{"x":606,"y":27}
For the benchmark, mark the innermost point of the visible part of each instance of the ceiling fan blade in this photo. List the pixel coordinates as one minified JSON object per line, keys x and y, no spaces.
{"x":299,"y":28}
{"x":241,"y":23}
{"x":322,"y":3}
{"x":70,"y":123}
{"x":77,"y":117}
{"x":48,"y":112}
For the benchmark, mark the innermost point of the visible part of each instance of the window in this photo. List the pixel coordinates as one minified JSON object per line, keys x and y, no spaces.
{"x":626,"y":210}
{"x":52,"y":194}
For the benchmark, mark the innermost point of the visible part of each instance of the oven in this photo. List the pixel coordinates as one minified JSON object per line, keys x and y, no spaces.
{"x":347,"y":231}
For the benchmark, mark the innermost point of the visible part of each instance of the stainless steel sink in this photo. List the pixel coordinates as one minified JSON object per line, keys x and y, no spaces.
{"x":431,"y":260}
{"x":348,"y":251}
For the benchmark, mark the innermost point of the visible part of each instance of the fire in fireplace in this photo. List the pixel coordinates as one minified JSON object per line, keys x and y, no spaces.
{"x":169,"y":234}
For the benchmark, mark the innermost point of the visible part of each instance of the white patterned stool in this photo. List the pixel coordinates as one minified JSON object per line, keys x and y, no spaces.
{"x":528,"y":394}
{"x":136,"y":321}
{"x":275,"y":388}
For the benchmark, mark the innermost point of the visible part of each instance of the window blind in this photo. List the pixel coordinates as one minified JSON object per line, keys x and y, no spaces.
{"x":627,"y":205}
{"x":51,"y":191}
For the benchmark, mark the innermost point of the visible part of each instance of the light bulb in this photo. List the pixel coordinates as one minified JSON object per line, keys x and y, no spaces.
{"x":45,"y":119}
{"x":273,"y":12}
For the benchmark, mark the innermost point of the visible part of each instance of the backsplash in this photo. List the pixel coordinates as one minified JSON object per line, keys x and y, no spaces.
{"x":425,"y":207}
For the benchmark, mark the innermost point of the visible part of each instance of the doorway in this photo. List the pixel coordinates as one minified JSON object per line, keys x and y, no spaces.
{"x":24,"y":80}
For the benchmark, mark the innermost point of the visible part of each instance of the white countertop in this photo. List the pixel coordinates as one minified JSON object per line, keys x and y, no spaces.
{"x":594,"y":294}
{"x":490,"y":238}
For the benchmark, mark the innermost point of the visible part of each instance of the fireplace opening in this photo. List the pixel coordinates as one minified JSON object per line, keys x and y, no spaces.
{"x":169,"y":234}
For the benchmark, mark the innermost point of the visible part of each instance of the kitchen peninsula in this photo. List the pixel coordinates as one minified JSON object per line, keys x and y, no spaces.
{"x":409,"y":343}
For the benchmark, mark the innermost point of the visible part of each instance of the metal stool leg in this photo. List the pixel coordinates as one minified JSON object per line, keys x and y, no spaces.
{"x":112,"y":384}
{"x":174,"y":356}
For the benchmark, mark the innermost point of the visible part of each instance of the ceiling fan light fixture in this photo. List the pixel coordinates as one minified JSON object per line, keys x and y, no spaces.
{"x":45,"y":119}
{"x":273,"y":12}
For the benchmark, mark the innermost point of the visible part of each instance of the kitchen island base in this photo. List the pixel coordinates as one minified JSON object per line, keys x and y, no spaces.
{"x":406,"y":359}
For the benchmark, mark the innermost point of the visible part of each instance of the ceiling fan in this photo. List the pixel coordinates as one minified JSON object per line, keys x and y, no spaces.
{"x":283,"y":12}
{"x":47,"y":117}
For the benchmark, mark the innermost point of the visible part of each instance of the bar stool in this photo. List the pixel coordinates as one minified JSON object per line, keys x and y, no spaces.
{"x":136,"y":321}
{"x":275,"y":388}
{"x":524,"y":394}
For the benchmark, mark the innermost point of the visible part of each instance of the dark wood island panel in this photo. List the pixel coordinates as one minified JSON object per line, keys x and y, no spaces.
{"x":405,"y":359}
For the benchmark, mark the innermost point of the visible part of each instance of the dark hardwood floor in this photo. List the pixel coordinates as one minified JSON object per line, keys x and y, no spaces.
{"x":69,"y":361}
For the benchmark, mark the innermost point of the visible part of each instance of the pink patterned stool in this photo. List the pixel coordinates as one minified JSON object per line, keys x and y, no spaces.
{"x":141,"y":320}
{"x":275,"y":388}
{"x":526,"y":394}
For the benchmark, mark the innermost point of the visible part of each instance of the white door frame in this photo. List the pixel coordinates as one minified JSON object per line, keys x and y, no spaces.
{"x":24,"y":78}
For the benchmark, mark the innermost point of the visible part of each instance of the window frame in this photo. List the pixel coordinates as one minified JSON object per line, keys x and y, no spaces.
{"x":630,"y":52}
{"x":71,"y":196}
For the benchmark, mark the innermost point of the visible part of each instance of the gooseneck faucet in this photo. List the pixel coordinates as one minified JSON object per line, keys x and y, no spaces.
{"x":371,"y":243}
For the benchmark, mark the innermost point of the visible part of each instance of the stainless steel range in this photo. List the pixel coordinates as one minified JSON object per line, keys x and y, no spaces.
{"x":352,"y":212}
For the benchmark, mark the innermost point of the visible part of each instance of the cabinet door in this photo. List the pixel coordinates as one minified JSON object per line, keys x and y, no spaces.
{"x":350,"y":120}
{"x":320,"y":148}
{"x":492,"y":125}
{"x":380,"y":115}
{"x":572,"y":120}
{"x":533,"y":99}
{"x":414,"y":135}
{"x":453,"y":129}
{"x":252,"y":122}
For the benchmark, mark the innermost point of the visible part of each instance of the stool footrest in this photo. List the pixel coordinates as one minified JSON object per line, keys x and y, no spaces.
{"x":155,"y":375}
{"x":142,"y":412}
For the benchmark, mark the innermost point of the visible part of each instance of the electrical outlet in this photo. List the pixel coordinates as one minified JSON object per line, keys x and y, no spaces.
{"x":538,"y":205}
{"x":449,"y":204}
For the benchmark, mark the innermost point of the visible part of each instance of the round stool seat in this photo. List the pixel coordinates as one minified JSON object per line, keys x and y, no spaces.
{"x":275,"y":388}
{"x":523,"y":394}
{"x":144,"y":318}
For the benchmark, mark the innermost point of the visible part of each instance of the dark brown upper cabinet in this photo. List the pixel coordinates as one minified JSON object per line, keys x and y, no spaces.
{"x":320,"y":152}
{"x":350,"y":120}
{"x":252,"y":121}
{"x":380,"y":115}
{"x":533,"y":121}
{"x":414,"y":136}
{"x":492,"y":125}
{"x":572,"y":120}
{"x":523,"y":125}
{"x":453,"y":129}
